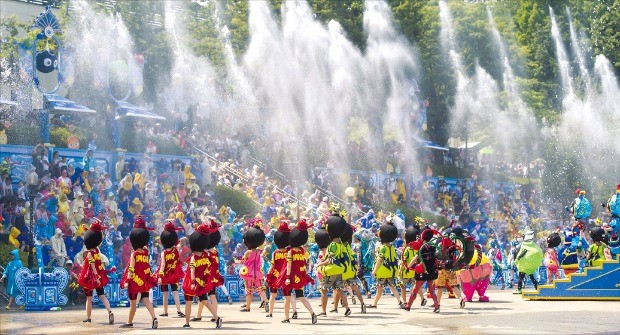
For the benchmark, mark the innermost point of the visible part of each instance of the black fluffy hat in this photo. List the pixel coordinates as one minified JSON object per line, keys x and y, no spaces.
{"x":322,"y":239}
{"x":336,"y":226}
{"x":282,"y":236}
{"x":597,"y":234}
{"x":199,"y":239}
{"x":169,"y":237}
{"x":254,"y":237}
{"x":299,"y":234}
{"x":388,"y":233}
{"x":92,"y":239}
{"x":347,"y":237}
{"x":94,"y":235}
{"x":553,"y":240}
{"x":139,"y":235}
{"x":412,"y":234}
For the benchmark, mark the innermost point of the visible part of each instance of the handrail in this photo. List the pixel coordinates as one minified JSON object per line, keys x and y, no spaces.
{"x":281,"y":175}
{"x":247,"y":179}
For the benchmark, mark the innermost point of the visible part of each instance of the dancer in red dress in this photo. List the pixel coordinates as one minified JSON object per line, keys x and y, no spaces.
{"x":296,"y":270}
{"x":93,"y":275}
{"x":276,"y":275}
{"x":214,"y":269}
{"x":170,"y":270}
{"x":138,"y":278}
{"x":197,"y":282}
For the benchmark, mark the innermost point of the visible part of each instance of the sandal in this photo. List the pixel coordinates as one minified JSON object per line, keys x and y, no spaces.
{"x":111,"y":317}
{"x":436,"y":310}
{"x":294,"y":315}
{"x":87,"y":320}
{"x":407,"y":308}
{"x":314,"y":319}
{"x":401,"y":305}
{"x":126,"y":325}
{"x":463,"y":303}
{"x":371,"y":306}
{"x":347,"y":312}
{"x":266,"y":308}
{"x":218,"y":323}
{"x":213,"y":320}
{"x":262,"y":304}
{"x":269,"y":315}
{"x":244,"y":310}
{"x":423,"y":303}
{"x":154,"y":324}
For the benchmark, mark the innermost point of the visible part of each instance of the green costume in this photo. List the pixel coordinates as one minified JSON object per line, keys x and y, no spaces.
{"x":529,"y":258}
{"x":389,"y":267}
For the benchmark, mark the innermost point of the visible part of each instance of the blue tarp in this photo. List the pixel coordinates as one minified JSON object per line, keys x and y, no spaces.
{"x":7,"y":102}
{"x":56,"y":103}
{"x":429,"y":144}
{"x":126,"y":109}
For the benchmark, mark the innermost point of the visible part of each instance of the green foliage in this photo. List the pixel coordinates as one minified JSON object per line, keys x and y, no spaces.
{"x":605,"y":30}
{"x":236,"y":200}
{"x":22,"y":133}
{"x":149,"y":39}
{"x":6,"y":257}
{"x":60,"y":135}
{"x":204,"y":31}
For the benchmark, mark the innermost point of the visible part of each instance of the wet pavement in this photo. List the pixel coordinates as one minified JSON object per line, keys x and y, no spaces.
{"x":504,"y":314}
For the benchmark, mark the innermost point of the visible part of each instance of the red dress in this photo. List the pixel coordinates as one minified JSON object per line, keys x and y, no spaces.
{"x":88,"y":278}
{"x":173,"y":270}
{"x":277,"y":272}
{"x":214,"y":269}
{"x":143,"y":280}
{"x":201,"y":265}
{"x":299,"y":275}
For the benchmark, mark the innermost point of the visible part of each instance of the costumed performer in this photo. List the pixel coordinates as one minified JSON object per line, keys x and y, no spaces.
{"x":93,"y":276}
{"x":252,"y":270}
{"x":529,"y":258}
{"x":386,"y":266}
{"x":296,"y":277}
{"x":170,"y":270}
{"x":138,"y":278}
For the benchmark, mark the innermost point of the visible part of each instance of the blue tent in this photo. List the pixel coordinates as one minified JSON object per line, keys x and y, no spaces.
{"x":7,"y":102}
{"x":126,"y":109}
{"x":429,"y":145}
{"x":56,"y":103}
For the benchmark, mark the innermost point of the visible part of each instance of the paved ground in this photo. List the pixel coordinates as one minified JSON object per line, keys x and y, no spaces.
{"x":505,"y":314}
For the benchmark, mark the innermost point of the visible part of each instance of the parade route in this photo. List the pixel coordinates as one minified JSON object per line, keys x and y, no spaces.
{"x":505,"y":314}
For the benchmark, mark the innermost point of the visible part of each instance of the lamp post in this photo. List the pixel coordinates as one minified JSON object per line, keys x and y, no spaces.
{"x":32,"y":179}
{"x":349,"y":192}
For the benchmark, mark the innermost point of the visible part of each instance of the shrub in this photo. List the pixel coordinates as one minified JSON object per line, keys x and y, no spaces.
{"x":60,"y":135}
{"x":236,"y":200}
{"x":6,"y":257}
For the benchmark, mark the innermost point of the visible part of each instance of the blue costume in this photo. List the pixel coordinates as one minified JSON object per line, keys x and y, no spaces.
{"x":9,"y":273}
